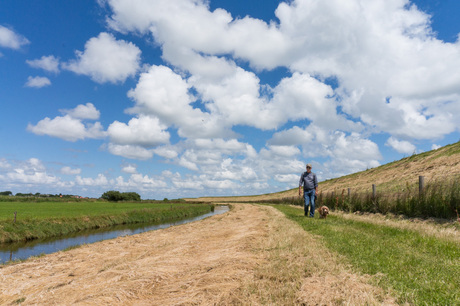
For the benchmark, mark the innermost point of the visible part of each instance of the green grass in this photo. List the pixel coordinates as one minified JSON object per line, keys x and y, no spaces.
{"x":420,"y":269}
{"x":46,"y":210}
{"x":52,"y":219}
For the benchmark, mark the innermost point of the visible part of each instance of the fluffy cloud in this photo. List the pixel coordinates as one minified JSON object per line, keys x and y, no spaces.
{"x":69,"y":171}
{"x":100,"y":181}
{"x":129,"y":151}
{"x":287,"y":178}
{"x":10,"y":39}
{"x":30,"y":172}
{"x":143,"y":131}
{"x":377,"y":59}
{"x":37,"y":82}
{"x":344,"y":153}
{"x":163,"y":93}
{"x":106,"y":59}
{"x":400,"y":146}
{"x":87,"y":111}
{"x":166,"y":152}
{"x":131,"y":169}
{"x":371,"y":56}
{"x":48,"y":63}
{"x":354,"y":68}
{"x":140,"y":182}
{"x":71,"y":127}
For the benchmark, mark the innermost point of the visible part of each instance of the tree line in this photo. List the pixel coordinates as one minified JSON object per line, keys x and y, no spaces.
{"x":37,"y":194}
{"x":112,"y":195}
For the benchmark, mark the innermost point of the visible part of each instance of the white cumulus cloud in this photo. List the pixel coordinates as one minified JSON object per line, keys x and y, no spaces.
{"x":71,"y":126}
{"x":37,"y":82}
{"x":144,"y":131}
{"x":401,"y":146}
{"x":47,"y":63}
{"x":11,"y":39}
{"x":106,"y":59}
{"x":129,"y":151}
{"x":69,"y":171}
{"x":86,"y":111}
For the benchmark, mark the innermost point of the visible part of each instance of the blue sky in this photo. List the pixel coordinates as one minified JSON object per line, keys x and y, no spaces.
{"x":195,"y":98}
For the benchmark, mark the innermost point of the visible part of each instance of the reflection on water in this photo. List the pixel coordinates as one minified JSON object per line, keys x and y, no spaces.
{"x":24,"y":250}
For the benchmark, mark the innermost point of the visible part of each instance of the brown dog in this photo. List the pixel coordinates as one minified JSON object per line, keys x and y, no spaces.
{"x":323,"y":212}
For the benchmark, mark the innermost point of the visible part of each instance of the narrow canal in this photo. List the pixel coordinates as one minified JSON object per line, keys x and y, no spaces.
{"x":24,"y":250}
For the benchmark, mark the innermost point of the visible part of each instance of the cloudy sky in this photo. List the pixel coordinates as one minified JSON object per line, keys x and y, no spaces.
{"x":191,"y":98}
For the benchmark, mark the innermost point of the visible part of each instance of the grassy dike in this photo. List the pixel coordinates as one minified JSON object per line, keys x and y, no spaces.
{"x":419,"y":268}
{"x":48,"y":219}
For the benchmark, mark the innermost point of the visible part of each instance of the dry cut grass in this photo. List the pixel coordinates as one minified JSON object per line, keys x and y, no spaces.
{"x":299,"y":270}
{"x":252,"y":255}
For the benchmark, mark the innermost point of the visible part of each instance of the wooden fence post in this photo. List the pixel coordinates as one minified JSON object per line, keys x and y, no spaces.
{"x":421,"y":184}
{"x":332,"y":196}
{"x":374,"y":191}
{"x":349,"y":192}
{"x":15,"y":213}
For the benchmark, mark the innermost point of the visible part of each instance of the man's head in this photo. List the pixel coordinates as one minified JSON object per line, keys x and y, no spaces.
{"x":308,"y":167}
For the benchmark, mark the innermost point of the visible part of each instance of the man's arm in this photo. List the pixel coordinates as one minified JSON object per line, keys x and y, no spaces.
{"x":316,"y":185}
{"x":300,"y":184}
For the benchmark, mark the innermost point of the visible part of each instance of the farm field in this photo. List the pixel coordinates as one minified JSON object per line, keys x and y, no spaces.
{"x":48,"y":209}
{"x":240,"y":257}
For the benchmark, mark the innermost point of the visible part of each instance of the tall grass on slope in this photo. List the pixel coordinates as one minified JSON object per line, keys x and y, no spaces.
{"x":440,"y":199}
{"x":420,"y":269}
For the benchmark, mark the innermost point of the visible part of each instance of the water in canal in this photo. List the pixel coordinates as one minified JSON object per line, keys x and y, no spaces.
{"x":24,"y":250}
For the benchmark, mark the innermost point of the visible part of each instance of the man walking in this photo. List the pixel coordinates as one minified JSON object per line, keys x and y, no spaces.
{"x":310,"y":189}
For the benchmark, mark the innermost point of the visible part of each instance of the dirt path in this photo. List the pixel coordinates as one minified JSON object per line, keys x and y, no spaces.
{"x":250,"y":255}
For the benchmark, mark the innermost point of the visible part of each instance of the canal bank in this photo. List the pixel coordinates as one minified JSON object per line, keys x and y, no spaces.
{"x":23,"y":250}
{"x":39,"y":220}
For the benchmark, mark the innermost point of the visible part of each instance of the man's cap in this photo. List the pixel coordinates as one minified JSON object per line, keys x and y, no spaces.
{"x":308,"y":165}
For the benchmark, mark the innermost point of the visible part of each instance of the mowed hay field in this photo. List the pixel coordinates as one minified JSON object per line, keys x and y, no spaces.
{"x":251,"y":255}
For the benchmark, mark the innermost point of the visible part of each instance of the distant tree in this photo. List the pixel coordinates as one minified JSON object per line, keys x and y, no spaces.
{"x":112,"y":195}
{"x":115,"y":196}
{"x":6,"y":193}
{"x":131,"y":196}
{"x":24,"y":194}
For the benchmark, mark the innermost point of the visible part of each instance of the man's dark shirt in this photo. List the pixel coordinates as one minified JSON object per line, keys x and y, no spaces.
{"x":308,"y":180}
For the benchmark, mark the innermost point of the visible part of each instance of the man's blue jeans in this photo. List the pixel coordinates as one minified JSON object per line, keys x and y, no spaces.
{"x":309,"y":201}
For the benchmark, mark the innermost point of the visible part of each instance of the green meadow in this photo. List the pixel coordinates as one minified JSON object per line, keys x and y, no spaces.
{"x":51,"y":219}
